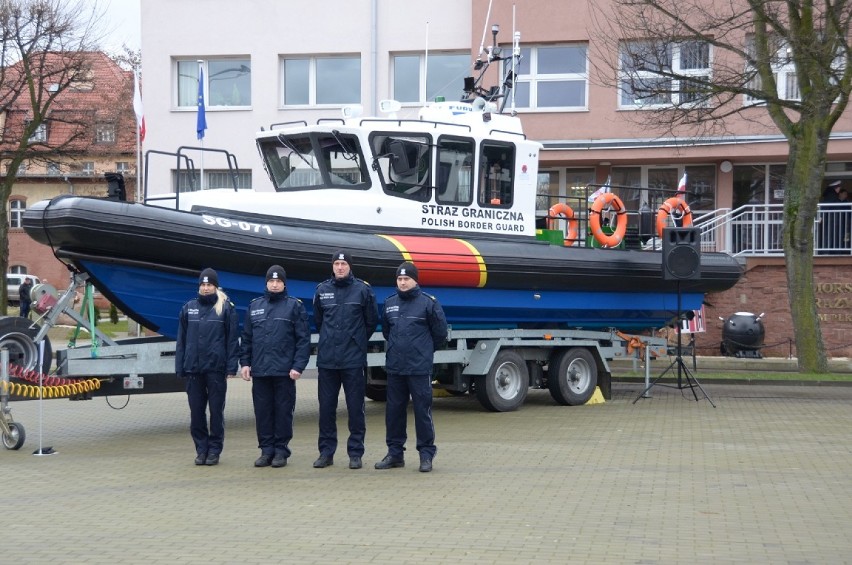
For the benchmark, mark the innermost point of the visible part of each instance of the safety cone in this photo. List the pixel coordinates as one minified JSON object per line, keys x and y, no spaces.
{"x":597,"y":397}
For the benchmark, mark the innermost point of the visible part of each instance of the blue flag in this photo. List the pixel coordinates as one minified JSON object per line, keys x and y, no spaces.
{"x":201,"y":124}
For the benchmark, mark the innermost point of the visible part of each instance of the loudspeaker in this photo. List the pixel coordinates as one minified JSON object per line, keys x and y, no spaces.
{"x":681,"y":254}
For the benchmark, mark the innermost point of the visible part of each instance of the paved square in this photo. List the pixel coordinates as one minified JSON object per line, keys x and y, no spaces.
{"x":764,"y":477}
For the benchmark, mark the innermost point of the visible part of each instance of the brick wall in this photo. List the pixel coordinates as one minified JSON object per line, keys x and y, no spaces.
{"x":763,"y":289}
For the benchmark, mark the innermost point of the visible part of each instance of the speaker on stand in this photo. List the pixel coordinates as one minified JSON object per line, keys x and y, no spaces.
{"x":681,"y":254}
{"x":681,"y":261}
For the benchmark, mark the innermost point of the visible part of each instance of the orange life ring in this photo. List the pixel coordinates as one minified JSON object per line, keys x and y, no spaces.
{"x":562,"y":209}
{"x":669,"y":207}
{"x":608,"y":200}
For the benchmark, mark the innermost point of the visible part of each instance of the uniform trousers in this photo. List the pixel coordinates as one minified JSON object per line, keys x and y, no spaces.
{"x":419,"y":389}
{"x":328,"y":389}
{"x":203,"y":390}
{"x":274,"y":400}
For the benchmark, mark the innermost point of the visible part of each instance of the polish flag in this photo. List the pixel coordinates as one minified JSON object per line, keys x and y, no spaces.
{"x":137,"y":107}
{"x":681,"y":186}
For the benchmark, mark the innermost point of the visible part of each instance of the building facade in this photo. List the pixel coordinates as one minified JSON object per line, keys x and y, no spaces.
{"x":104,"y":141}
{"x":266,"y":62}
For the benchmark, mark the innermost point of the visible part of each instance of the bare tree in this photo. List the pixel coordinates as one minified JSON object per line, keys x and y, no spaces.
{"x":46,"y":49}
{"x":694,"y":65}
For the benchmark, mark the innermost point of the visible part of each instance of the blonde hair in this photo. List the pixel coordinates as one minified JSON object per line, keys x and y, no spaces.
{"x":221,"y":299}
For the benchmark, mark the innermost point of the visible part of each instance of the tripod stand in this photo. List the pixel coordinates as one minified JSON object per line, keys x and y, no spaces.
{"x":682,"y":370}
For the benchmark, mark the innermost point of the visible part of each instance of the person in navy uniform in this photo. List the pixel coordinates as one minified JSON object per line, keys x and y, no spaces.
{"x":345,"y":315}
{"x":274,"y":352}
{"x":206,"y":355}
{"x":414,"y":326}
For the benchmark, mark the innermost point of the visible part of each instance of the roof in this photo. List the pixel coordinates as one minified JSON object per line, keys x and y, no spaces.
{"x":99,"y":93}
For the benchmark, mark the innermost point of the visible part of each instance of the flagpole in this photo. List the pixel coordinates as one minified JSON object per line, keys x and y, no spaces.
{"x":140,"y":128}
{"x":201,"y":123}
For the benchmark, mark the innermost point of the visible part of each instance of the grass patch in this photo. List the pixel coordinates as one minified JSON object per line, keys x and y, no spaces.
{"x":791,"y":376}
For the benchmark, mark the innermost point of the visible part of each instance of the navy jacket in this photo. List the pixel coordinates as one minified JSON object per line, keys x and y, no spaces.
{"x":414,"y":326}
{"x":276,"y":336}
{"x":345,"y":315}
{"x":206,"y":341}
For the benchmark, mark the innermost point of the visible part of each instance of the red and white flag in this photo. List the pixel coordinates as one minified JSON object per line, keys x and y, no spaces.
{"x":604,"y":189}
{"x":137,"y":107}
{"x":681,"y":186}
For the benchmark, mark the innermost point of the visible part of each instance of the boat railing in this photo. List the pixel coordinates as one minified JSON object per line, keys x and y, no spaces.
{"x":186,"y":177}
{"x":750,"y":230}
{"x":757,"y":230}
{"x":641,"y":205}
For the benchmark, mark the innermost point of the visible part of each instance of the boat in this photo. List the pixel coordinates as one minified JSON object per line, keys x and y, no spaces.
{"x":452,"y":189}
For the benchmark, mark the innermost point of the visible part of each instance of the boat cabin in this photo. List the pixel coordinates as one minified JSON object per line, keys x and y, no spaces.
{"x":458,"y":168}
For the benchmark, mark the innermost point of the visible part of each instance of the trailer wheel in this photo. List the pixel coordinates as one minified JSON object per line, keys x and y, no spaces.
{"x":505,"y":386}
{"x":17,"y":335}
{"x":378,"y":393}
{"x":572,"y":377}
{"x":16,"y":436}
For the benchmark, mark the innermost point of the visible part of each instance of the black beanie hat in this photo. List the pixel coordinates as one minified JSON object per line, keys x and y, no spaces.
{"x":208,"y":275}
{"x":341,"y":255}
{"x":407,"y":269}
{"x":276,"y":272}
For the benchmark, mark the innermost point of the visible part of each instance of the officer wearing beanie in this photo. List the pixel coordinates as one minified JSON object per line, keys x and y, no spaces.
{"x":414,"y":327}
{"x":206,"y":354}
{"x":274,"y":352}
{"x":345,"y":315}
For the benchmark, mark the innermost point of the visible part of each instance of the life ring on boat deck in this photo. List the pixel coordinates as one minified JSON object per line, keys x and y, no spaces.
{"x":562,"y":209}
{"x":608,"y":200}
{"x":670,"y":207}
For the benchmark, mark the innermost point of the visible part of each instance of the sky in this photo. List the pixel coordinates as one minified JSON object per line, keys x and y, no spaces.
{"x":120,"y":23}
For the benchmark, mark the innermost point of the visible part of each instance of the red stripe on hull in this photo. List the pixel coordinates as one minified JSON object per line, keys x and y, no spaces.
{"x":442,"y":261}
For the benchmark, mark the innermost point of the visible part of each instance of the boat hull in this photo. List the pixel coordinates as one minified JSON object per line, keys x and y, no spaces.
{"x":145,"y":259}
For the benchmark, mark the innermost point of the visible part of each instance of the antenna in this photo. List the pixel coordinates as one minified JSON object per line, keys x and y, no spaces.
{"x":485,"y":28}
{"x":516,"y":57}
{"x":426,"y":67}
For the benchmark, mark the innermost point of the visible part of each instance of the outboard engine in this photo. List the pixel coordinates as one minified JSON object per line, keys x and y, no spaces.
{"x":742,"y":335}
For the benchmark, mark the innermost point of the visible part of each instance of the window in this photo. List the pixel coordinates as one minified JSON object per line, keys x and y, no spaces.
{"x":227,"y":83}
{"x":22,"y":169}
{"x":783,"y":72}
{"x":444,"y":74}
{"x":105,"y":133}
{"x":455,"y":171}
{"x":214,"y":178}
{"x":403,"y":163}
{"x":87,"y":168}
{"x":39,"y":135}
{"x":122,"y":167}
{"x":496,"y":164}
{"x":700,"y":185}
{"x":18,"y":270}
{"x":553,"y":77}
{"x":305,"y":161}
{"x":16,"y":213}
{"x":654,"y":74}
{"x":53,"y":169}
{"x":320,"y":80}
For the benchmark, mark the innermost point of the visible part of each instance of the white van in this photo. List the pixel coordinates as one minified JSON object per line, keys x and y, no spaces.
{"x":13,"y":282}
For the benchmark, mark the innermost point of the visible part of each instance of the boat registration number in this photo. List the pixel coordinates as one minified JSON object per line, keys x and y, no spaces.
{"x":237,"y":224}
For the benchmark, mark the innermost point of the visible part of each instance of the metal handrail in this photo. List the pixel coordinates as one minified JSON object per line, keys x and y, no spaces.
{"x":756,"y":230}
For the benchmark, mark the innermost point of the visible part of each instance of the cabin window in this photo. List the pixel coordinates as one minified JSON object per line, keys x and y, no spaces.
{"x":455,"y":171}
{"x":314,"y":161}
{"x":496,"y":166}
{"x":403,"y":163}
